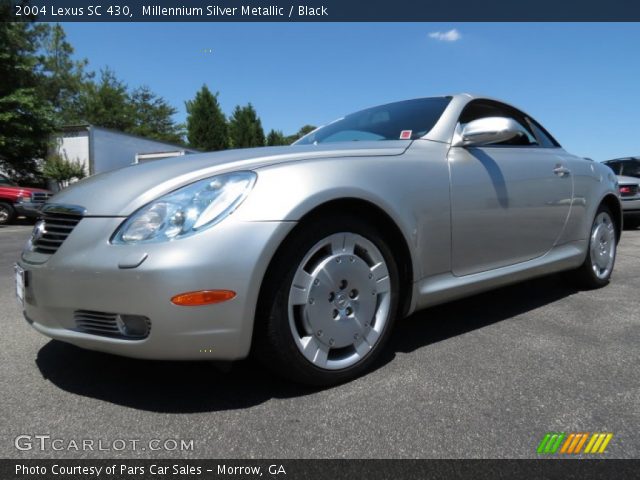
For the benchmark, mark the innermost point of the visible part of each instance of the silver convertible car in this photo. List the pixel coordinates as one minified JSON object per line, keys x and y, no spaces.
{"x":305,"y":255}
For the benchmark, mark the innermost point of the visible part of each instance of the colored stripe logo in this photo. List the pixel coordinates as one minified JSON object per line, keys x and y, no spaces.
{"x":573,"y":443}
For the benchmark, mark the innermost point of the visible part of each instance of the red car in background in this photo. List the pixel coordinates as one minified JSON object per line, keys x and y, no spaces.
{"x":16,"y":201}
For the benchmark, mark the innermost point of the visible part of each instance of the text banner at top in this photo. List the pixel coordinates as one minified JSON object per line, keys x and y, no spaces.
{"x":326,"y":11}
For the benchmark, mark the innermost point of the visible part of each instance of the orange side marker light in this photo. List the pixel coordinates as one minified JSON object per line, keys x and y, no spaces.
{"x":202,"y":297}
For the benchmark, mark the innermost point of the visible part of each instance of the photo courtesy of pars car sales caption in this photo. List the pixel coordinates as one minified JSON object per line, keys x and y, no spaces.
{"x":152,"y":469}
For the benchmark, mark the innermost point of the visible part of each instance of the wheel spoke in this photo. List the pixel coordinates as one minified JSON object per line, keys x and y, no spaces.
{"x":343,"y":243}
{"x":379,"y":270}
{"x":300,"y":289}
{"x":325,"y":278}
{"x":372,"y":336}
{"x":383,"y":285}
{"x":316,"y":352}
{"x":362,"y":347}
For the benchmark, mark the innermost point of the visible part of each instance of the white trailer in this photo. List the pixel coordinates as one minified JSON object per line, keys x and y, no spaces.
{"x":101,"y":150}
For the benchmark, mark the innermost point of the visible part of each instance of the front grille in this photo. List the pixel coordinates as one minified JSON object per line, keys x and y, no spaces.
{"x":133,"y":327}
{"x":628,"y":190}
{"x":40,"y":197}
{"x":53,"y":228}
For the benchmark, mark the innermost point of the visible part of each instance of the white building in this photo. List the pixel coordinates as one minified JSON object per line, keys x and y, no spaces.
{"x":101,"y":150}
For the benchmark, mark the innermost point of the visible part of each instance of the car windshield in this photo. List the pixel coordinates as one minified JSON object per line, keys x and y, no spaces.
{"x":405,"y":120}
{"x":5,"y":181}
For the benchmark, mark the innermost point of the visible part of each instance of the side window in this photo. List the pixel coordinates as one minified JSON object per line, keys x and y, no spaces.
{"x":543,"y":137}
{"x":484,"y":108}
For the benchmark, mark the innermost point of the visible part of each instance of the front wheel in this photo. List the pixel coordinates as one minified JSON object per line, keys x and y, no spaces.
{"x":597,"y":268}
{"x":331,"y":306}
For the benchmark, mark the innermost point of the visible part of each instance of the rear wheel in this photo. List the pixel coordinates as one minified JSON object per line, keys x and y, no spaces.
{"x":596,"y":270}
{"x":7,"y":213}
{"x":330,"y":301}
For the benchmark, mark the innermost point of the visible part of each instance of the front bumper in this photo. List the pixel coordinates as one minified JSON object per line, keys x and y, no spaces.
{"x":84,"y":274}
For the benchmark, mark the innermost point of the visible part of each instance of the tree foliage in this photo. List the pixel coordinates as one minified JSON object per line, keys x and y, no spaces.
{"x":245,"y":128}
{"x":276,"y":137}
{"x":62,"y":170}
{"x":25,"y":120}
{"x":153,"y":117}
{"x":300,"y":133}
{"x":207,"y":127}
{"x":106,"y":103}
{"x":63,"y":79}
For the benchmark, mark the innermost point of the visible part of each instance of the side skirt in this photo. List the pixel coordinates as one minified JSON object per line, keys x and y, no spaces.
{"x":445,"y":287}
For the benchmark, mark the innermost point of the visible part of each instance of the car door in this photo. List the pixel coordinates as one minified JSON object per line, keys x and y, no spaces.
{"x":509,"y":201}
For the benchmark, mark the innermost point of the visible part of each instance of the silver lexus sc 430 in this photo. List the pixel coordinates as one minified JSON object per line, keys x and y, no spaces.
{"x":305,"y":255}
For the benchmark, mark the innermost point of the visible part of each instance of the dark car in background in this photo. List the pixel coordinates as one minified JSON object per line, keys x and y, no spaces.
{"x":16,"y":201}
{"x":628,"y":171}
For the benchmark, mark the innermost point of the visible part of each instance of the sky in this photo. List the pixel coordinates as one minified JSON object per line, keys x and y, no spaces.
{"x":579,"y":80}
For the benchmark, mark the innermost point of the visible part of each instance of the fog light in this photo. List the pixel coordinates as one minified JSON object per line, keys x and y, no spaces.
{"x":135,"y":326}
{"x":202,"y":297}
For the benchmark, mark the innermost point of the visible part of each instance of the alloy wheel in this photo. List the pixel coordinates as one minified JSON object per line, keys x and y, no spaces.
{"x":339,"y":301}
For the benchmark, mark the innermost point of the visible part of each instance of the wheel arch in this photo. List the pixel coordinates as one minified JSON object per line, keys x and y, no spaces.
{"x":613,"y":204}
{"x":376,"y":216}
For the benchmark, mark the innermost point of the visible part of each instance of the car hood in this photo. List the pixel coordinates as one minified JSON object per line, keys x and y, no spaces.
{"x":121,"y":192}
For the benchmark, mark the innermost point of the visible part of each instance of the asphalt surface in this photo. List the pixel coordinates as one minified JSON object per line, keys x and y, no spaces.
{"x":484,"y":377}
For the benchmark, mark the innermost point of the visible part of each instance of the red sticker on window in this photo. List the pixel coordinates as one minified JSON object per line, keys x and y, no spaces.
{"x":405,"y":134}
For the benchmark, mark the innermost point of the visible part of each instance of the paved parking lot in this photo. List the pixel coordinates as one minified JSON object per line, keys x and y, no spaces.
{"x":483,"y":377}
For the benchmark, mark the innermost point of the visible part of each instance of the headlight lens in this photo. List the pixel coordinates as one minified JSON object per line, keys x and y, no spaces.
{"x":187,"y":210}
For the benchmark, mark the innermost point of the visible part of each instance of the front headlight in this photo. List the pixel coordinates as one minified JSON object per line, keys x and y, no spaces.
{"x":187,"y":210}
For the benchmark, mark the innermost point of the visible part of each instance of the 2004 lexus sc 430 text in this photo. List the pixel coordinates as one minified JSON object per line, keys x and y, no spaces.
{"x":305,"y":255}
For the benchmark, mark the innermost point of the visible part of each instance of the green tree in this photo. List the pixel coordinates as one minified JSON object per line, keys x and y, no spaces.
{"x":107,"y":103}
{"x":62,"y":170}
{"x":26,"y":121}
{"x":153,"y":116}
{"x":64,"y":78}
{"x":300,"y":133}
{"x":245,"y":128}
{"x":276,"y":137}
{"x":207,"y":127}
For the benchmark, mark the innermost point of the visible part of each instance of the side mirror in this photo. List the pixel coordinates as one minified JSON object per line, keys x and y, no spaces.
{"x":488,"y":130}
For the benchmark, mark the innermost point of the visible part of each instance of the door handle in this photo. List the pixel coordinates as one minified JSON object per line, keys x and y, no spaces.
{"x":561,"y":171}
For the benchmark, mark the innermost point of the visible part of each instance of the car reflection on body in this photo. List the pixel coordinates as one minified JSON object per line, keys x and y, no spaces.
{"x":305,"y":255}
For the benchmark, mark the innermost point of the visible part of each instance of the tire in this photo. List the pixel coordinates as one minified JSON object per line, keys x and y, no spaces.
{"x":7,"y":213}
{"x":328,"y":303}
{"x":597,"y":268}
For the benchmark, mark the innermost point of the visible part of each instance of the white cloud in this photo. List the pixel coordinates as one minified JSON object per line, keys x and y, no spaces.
{"x":452,"y":35}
